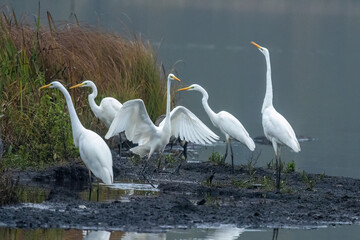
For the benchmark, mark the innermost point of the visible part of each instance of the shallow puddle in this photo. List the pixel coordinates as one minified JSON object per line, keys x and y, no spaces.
{"x":223,"y":232}
{"x":119,"y":191}
{"x":32,"y":194}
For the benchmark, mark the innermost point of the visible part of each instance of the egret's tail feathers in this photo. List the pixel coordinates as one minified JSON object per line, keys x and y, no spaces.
{"x":250,"y":144}
{"x":140,"y":150}
{"x":295,"y":146}
{"x":298,"y":149}
{"x":107,"y":176}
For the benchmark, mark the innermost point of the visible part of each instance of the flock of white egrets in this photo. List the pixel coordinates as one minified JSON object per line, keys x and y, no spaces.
{"x":133,"y":119}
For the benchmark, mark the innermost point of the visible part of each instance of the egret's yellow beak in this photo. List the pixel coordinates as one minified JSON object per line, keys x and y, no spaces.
{"x":46,"y":86}
{"x":176,"y":78}
{"x":77,"y":85}
{"x":182,"y":89}
{"x":256,"y":45}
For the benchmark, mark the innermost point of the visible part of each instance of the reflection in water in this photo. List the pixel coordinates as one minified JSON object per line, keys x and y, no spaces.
{"x":223,"y":233}
{"x":227,"y":233}
{"x":119,"y":191}
{"x":32,"y":194}
{"x":96,"y":235}
{"x":275,"y":234}
{"x":144,"y":236}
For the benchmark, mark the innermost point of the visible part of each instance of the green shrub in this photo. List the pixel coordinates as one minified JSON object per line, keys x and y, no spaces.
{"x":217,"y":158}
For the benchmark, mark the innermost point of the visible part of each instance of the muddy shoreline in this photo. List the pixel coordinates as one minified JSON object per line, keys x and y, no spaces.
{"x":187,"y":199}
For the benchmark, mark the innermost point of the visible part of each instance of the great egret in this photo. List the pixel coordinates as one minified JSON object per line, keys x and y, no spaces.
{"x":107,"y":109}
{"x":229,"y":125}
{"x":276,"y":128}
{"x":134,"y":120}
{"x":108,"y":106}
{"x":94,"y":152}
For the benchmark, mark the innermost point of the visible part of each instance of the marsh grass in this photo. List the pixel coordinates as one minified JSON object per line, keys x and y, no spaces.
{"x":36,"y":126}
{"x":9,"y":189}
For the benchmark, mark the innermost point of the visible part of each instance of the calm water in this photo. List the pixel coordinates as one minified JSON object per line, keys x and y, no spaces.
{"x":218,"y":233}
{"x":314,"y":48}
{"x":314,"y":53}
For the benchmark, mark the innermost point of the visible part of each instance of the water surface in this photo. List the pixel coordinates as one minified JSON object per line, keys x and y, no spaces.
{"x":314,"y":48}
{"x":206,"y":233}
{"x":314,"y":53}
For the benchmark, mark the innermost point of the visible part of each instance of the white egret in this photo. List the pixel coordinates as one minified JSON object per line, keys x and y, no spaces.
{"x":94,"y":152}
{"x":135,"y":121}
{"x":106,"y":110}
{"x":108,"y":106}
{"x":276,"y":128}
{"x":229,"y":125}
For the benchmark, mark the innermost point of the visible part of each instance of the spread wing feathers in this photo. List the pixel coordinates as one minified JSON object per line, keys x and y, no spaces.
{"x":134,"y":120}
{"x":277,"y":128}
{"x":231,"y":126}
{"x":189,"y":127}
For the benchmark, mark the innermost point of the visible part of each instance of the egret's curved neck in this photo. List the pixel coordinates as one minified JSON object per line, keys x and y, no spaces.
{"x":94,"y":107}
{"x":205,"y":104}
{"x":268,"y":100}
{"x":167,"y":116}
{"x":76,"y":125}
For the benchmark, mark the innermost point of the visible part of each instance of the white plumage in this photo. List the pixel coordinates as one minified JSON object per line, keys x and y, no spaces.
{"x":134,"y":120}
{"x":230,"y":126}
{"x":93,"y":150}
{"x":108,"y":106}
{"x":276,"y":128}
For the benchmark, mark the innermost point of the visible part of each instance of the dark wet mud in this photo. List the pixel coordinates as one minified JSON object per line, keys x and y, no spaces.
{"x":201,"y":194}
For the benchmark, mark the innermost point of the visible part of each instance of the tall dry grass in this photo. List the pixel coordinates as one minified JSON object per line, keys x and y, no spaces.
{"x":31,"y":56}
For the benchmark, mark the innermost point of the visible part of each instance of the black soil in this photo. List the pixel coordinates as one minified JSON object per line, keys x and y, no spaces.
{"x":201,"y":194}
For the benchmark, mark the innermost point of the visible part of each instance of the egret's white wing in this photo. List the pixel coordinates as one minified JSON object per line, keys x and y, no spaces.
{"x":232,"y":126}
{"x":278,"y":128}
{"x":96,"y":155}
{"x":108,"y":108}
{"x":134,"y":120}
{"x":186,"y":125}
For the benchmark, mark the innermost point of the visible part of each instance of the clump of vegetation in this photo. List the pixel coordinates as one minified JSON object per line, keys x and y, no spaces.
{"x":290,"y":167}
{"x":266,"y":183}
{"x":271,"y":165}
{"x":285,"y":167}
{"x":36,"y":126}
{"x":309,"y":181}
{"x":217,"y":158}
{"x":252,"y":163}
{"x":8,"y":189}
{"x":171,"y":160}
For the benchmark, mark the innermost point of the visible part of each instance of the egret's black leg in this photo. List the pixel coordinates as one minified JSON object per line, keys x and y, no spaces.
{"x":159,"y":163}
{"x":278,"y":170}
{"x":145,"y":166}
{"x":184,"y":153}
{"x":226,"y":151}
{"x":119,"y":145}
{"x":90,"y":185}
{"x":275,"y":234}
{"x":185,"y":150}
{"x":232,"y":156}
